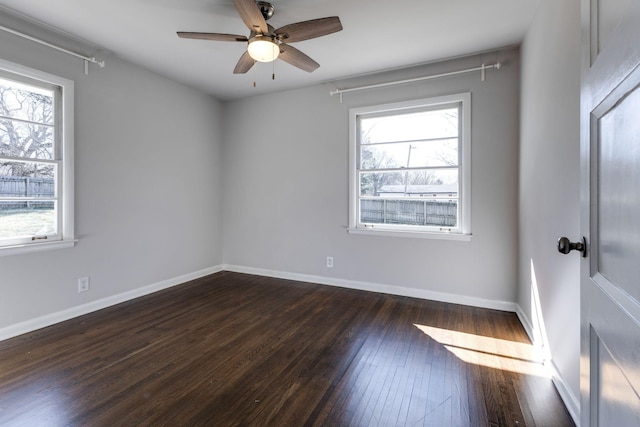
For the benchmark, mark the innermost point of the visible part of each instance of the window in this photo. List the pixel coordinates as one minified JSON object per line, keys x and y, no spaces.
{"x":409,"y":168}
{"x":36,"y":160}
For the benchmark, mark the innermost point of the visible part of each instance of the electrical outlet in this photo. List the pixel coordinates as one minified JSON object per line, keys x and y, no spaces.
{"x":329,"y":262}
{"x":83,"y":284}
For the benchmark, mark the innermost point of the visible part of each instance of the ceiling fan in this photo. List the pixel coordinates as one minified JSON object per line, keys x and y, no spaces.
{"x":266,"y":43}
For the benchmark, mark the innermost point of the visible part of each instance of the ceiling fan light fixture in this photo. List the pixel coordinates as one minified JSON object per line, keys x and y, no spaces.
{"x":263,"y":49}
{"x":266,"y":43}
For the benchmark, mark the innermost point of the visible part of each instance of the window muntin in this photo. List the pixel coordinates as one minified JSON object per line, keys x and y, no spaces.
{"x":36,"y":152}
{"x":408,"y":166}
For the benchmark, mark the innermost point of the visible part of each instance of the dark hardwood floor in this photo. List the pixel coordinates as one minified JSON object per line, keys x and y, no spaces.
{"x":233,"y":349}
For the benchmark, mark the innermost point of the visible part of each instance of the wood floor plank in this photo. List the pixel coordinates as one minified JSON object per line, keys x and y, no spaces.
{"x":239,"y":350}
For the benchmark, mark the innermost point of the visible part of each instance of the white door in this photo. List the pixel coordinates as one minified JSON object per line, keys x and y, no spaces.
{"x":610,"y":214}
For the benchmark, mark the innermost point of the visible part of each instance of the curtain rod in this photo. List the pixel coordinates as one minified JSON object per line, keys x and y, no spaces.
{"x":483,"y":68}
{"x":86,"y":59}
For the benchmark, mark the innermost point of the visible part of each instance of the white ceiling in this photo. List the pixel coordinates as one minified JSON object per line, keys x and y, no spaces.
{"x":377,"y":35}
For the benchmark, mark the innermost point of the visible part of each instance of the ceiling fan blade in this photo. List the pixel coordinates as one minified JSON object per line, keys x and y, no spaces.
{"x":212,"y":36}
{"x":244,"y":64}
{"x":251,"y":16}
{"x":296,"y":58}
{"x":309,"y":29}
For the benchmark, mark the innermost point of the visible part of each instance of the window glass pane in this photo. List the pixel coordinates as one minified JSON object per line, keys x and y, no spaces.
{"x":407,"y":174}
{"x":371,"y":183}
{"x":34,"y":201}
{"x":26,"y":179}
{"x":433,"y":183}
{"x":439,"y":213}
{"x":415,"y":154}
{"x":28,"y":140}
{"x":25,"y":102}
{"x":410,"y":127}
{"x":25,"y":219}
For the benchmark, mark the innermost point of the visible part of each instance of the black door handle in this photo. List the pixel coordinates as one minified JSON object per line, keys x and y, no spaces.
{"x":565,"y":246}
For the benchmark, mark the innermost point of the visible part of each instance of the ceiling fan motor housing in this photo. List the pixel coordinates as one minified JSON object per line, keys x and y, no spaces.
{"x":266,"y":9}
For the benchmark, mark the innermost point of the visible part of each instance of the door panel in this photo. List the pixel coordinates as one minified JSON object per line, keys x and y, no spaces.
{"x":608,"y":17}
{"x":619,"y":405}
{"x":610,"y":213}
{"x":615,"y":371}
{"x":618,"y":199}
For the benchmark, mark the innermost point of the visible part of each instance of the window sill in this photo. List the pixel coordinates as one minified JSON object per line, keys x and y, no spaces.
{"x":412,"y":234}
{"x":36,"y":247}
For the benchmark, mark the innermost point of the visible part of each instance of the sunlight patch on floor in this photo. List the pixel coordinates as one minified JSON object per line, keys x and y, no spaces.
{"x":489,"y":352}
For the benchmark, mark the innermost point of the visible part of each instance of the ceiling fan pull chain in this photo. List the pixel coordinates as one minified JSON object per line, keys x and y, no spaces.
{"x":253,"y":71}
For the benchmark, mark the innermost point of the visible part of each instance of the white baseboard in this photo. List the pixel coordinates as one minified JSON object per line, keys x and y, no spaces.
{"x":526,"y":323}
{"x":570,"y":400}
{"x":61,"y":316}
{"x":379,"y":287}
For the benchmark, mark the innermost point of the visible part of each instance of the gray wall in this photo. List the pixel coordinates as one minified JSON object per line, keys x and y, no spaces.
{"x":550,"y":183}
{"x":148,"y":187}
{"x":286,"y":186}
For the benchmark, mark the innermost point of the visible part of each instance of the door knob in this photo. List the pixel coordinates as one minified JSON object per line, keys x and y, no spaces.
{"x":565,"y":246}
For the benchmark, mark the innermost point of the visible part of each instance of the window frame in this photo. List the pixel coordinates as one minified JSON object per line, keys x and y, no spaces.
{"x":64,"y":126}
{"x":463,"y":230}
